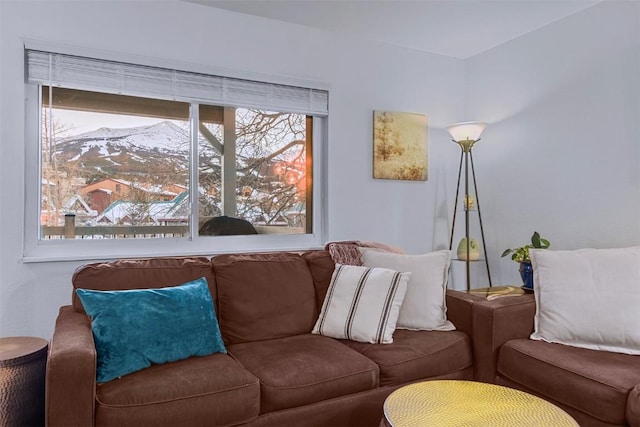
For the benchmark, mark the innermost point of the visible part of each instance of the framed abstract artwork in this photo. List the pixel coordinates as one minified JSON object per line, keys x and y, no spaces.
{"x":400,"y":146}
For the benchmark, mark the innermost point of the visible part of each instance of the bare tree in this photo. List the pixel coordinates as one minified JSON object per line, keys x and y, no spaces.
{"x":263,"y":140}
{"x":57,"y":176}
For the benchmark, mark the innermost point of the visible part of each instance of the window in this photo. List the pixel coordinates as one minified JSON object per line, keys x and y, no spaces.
{"x":261,"y":174}
{"x":117,"y":165}
{"x":196,"y":156}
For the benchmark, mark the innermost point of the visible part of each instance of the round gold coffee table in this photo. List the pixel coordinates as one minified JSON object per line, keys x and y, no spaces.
{"x":469,"y":403}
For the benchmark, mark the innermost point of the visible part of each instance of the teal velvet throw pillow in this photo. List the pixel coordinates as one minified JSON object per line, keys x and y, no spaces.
{"x":134,"y":328}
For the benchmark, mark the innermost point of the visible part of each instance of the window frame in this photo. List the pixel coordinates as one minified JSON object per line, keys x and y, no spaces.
{"x":40,"y":250}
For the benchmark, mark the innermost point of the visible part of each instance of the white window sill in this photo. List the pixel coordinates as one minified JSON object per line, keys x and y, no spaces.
{"x":86,"y":250}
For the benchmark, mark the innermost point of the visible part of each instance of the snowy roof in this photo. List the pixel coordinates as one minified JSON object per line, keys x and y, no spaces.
{"x":75,"y":202}
{"x":152,"y":212}
{"x":148,"y":188}
{"x":104,"y":190}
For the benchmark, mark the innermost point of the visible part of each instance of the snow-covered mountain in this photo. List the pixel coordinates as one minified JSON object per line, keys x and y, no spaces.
{"x":161,"y":148}
{"x":163,"y":136}
{"x":154,"y":151}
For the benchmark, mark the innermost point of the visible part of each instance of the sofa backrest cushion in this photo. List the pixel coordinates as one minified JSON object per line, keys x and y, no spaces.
{"x":141,"y":274}
{"x":424,"y":307}
{"x":264,"y":296}
{"x":321,"y":265}
{"x":588,"y":298}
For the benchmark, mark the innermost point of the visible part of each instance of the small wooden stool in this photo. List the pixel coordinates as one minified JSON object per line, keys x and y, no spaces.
{"x":23,"y":362}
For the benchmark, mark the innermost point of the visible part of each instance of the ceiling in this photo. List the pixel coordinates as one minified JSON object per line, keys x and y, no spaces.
{"x":456,"y":28}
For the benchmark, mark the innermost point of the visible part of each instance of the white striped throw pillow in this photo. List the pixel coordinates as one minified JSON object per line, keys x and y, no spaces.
{"x":362,"y":304}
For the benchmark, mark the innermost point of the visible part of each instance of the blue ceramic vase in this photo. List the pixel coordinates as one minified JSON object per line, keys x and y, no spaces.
{"x":526,"y":273}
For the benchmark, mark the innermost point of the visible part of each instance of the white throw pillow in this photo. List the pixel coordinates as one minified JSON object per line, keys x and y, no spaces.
{"x":588,"y":298}
{"x":424,"y":306}
{"x":362,"y":304}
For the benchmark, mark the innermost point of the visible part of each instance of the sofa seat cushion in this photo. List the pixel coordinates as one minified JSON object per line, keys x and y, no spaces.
{"x":592,"y":381}
{"x":303,"y":369}
{"x":416,"y":355}
{"x":199,"y":391}
{"x":633,"y":406}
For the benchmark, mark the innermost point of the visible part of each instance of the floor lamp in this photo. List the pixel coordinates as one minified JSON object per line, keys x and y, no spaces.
{"x":466,"y":135}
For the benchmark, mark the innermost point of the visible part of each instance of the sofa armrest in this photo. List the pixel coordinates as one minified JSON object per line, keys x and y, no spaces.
{"x":459,"y":310}
{"x":494,"y":323}
{"x":71,"y":371}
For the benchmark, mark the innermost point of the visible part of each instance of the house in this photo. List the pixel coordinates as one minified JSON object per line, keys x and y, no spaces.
{"x":560,"y":154}
{"x":102,"y":193}
{"x":151,"y":213}
{"x":77,"y":206}
{"x":58,"y":197}
{"x":99,"y":198}
{"x":122,"y":188}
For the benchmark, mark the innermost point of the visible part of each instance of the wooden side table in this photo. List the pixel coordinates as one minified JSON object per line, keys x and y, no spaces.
{"x":23,"y":363}
{"x":498,"y":292}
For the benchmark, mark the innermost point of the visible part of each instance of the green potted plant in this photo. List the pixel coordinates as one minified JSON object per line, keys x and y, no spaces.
{"x":521,"y":256}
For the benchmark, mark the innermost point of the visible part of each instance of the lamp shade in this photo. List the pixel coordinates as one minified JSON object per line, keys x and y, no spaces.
{"x":467,"y":131}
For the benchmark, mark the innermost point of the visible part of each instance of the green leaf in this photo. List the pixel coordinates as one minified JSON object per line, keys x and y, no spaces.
{"x":521,"y":254}
{"x":535,"y":239}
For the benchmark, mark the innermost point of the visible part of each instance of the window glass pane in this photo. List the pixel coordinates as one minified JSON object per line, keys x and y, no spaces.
{"x":255,"y":176}
{"x":113,"y":166}
{"x":209,"y":170}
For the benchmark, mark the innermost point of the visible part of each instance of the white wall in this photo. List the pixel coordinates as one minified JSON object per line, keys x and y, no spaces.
{"x":362,"y":76}
{"x":561,"y":154}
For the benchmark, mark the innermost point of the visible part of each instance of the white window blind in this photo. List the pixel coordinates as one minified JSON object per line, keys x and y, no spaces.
{"x":77,"y":72}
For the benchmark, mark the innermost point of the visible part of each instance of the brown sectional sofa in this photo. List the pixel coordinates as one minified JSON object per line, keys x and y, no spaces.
{"x":597,"y":388}
{"x":276,"y":372}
